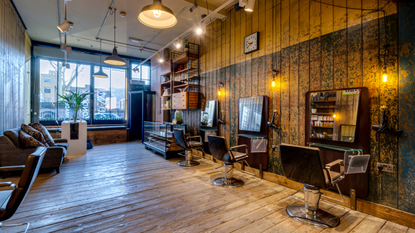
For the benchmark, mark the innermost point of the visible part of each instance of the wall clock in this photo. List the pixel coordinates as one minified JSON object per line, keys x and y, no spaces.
{"x":251,"y":43}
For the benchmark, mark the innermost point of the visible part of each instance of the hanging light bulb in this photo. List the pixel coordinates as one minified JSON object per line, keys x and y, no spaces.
{"x":221,"y":85}
{"x":100,"y":73}
{"x":157,"y":15}
{"x":273,"y":83}
{"x":159,"y":58}
{"x":385,"y":76}
{"x":114,"y":59}
{"x":136,"y":70}
{"x":178,"y":43}
{"x":219,"y":92}
{"x":200,"y":28}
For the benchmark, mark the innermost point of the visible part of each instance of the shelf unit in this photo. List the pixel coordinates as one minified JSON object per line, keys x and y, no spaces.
{"x":185,"y":78}
{"x":325,"y":108}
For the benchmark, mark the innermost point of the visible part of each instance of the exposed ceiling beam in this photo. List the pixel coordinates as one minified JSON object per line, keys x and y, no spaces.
{"x":212,"y":7}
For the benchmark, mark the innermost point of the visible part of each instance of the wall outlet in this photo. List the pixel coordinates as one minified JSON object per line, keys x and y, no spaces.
{"x":275,"y":148}
{"x":385,"y":167}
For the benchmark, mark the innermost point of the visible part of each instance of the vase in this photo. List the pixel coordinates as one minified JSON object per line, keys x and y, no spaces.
{"x":178,"y":115}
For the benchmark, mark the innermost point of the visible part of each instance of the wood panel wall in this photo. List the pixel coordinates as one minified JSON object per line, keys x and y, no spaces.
{"x":319,"y":45}
{"x":12,"y":67}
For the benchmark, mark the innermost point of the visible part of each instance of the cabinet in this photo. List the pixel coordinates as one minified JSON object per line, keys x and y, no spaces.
{"x":159,"y":137}
{"x":185,"y":100}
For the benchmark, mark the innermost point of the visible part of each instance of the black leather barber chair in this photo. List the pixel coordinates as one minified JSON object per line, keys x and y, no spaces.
{"x":12,"y":196}
{"x":217,"y":146}
{"x":303,"y":165}
{"x":188,"y":145}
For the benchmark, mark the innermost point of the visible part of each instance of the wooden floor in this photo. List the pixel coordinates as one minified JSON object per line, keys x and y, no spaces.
{"x":125,"y":188}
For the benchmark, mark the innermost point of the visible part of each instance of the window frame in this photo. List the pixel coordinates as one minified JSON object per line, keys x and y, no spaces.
{"x":36,"y":83}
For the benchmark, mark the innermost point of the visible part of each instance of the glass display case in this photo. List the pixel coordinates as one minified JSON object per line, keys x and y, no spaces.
{"x":158,"y":137}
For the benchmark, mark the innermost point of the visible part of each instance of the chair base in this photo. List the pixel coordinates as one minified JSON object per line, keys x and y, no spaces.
{"x":228,"y":183}
{"x":16,"y":225}
{"x":319,"y":218}
{"x":188,"y":163}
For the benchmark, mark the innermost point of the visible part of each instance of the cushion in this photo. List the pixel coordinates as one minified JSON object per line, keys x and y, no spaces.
{"x":13,"y":135}
{"x":45,"y":132}
{"x":34,"y":133}
{"x":334,"y":176}
{"x":28,"y":141}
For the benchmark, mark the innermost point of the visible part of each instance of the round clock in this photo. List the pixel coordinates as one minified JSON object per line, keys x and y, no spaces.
{"x":251,"y":42}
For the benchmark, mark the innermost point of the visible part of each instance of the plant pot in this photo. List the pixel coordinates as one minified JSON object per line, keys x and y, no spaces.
{"x":313,"y":110}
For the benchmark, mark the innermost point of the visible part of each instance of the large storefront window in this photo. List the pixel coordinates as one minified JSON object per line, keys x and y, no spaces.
{"x":110,"y":102}
{"x":47,"y":92}
{"x":109,"y":94}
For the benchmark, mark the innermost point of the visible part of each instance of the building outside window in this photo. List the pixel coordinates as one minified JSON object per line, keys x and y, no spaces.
{"x":143,"y":73}
{"x":110,"y":94}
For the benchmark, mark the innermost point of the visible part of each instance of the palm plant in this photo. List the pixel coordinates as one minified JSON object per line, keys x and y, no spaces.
{"x":74,"y":100}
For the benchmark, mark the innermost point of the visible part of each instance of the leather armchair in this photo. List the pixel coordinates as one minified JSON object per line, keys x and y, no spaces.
{"x":11,"y":195}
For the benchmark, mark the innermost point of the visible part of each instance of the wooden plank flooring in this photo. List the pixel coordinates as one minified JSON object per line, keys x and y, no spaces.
{"x":125,"y":188}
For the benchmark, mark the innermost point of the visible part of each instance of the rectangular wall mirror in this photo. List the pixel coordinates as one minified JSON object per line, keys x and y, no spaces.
{"x":250,"y":113}
{"x":334,"y":115}
{"x":207,"y":118}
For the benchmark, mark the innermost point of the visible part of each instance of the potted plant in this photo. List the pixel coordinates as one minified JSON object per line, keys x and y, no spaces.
{"x":186,"y":45}
{"x":313,"y":108}
{"x":205,"y":119}
{"x":74,"y":100}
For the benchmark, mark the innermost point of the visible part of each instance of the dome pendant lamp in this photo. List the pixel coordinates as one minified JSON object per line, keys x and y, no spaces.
{"x":100,"y":73}
{"x":114,"y":59}
{"x":157,"y":16}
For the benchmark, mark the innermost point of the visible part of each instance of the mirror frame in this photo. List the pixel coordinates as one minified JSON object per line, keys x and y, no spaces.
{"x":362,"y":134}
{"x":264,"y":119}
{"x":215,"y":116}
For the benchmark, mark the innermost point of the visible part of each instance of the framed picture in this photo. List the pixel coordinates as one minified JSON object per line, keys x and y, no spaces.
{"x":251,"y":43}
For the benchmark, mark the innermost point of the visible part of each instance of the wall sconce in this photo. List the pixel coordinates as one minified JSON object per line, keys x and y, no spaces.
{"x":221,"y":85}
{"x":274,"y":73}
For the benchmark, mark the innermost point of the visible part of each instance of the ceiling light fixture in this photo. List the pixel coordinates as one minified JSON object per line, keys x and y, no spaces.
{"x":100,"y":73}
{"x":136,"y":70}
{"x":157,"y":15}
{"x":65,"y":26}
{"x":114,"y":59}
{"x":178,"y":43}
{"x":250,"y":5}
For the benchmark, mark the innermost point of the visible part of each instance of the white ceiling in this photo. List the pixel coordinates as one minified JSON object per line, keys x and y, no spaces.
{"x":41,"y":20}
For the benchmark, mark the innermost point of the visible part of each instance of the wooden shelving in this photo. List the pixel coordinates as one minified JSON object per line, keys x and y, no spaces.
{"x":185,"y":70}
{"x":186,"y":85}
{"x":325,"y":127}
{"x":185,"y":57}
{"x":324,"y":114}
{"x":323,"y":101}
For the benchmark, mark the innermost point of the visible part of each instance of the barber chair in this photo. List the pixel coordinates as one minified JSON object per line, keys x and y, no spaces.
{"x":303,"y":165}
{"x":12,"y":196}
{"x":217,"y":146}
{"x":188,"y":145}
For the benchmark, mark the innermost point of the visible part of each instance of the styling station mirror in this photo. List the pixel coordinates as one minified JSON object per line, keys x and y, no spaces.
{"x":209,"y":122}
{"x":334,"y":114}
{"x":338,"y":123}
{"x":250,"y":113}
{"x":253,"y":129}
{"x":209,"y":116}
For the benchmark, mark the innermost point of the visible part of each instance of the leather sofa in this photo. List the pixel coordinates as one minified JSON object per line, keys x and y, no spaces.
{"x":12,"y":153}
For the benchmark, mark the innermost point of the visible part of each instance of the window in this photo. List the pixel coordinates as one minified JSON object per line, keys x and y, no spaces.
{"x":109,"y":93}
{"x":48,"y":101}
{"x":143,"y":73}
{"x":110,"y":96}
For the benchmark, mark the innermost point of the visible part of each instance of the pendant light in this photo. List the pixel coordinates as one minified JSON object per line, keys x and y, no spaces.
{"x":157,"y":16}
{"x":100,"y":73}
{"x":114,"y":59}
